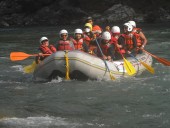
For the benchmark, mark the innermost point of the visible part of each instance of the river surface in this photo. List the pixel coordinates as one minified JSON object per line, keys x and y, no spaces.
{"x":137,"y":102}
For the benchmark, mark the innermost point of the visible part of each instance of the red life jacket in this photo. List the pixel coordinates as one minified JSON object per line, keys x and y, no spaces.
{"x":128,"y":41}
{"x":47,"y":50}
{"x":64,"y":45}
{"x":53,"y":49}
{"x":136,"y":32}
{"x":87,"y":39}
{"x":114,"y":39}
{"x":104,"y":48}
{"x":78,"y":44}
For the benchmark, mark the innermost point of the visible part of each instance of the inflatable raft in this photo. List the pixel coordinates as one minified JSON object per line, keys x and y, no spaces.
{"x":83,"y":66}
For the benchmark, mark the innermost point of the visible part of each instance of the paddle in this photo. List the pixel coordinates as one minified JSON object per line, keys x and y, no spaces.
{"x":67,"y":77}
{"x":111,"y":76}
{"x":149,"y":68}
{"x":128,"y":66}
{"x":161,"y":60}
{"x":30,"y":68}
{"x":15,"y":56}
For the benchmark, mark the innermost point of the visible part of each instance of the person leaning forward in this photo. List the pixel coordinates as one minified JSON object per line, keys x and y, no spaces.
{"x":127,"y":40}
{"x":106,"y":50}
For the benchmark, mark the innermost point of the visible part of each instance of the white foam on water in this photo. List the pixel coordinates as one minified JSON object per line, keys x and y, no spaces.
{"x":18,"y":68}
{"x":165,"y":43}
{"x":38,"y":122}
{"x":4,"y":58}
{"x":57,"y":80}
{"x":165,"y":32}
{"x":152,"y":116}
{"x":9,"y":82}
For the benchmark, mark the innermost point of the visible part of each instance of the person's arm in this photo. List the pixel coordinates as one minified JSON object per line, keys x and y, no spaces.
{"x":52,"y":48}
{"x":111,"y":52}
{"x":142,"y":36}
{"x":45,"y":49}
{"x":40,"y":56}
{"x":92,"y":42}
{"x":121,"y":42}
{"x":85,"y":47}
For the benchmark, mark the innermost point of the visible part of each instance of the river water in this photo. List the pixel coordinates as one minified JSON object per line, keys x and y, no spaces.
{"x":138,"y":102}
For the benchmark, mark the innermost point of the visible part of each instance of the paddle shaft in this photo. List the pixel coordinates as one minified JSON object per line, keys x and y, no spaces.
{"x":104,"y":60}
{"x":161,"y":60}
{"x":102,"y":55}
{"x":29,"y":55}
{"x":133,"y":57}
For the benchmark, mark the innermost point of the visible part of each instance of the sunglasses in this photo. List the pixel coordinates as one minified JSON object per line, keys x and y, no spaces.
{"x":63,"y":35}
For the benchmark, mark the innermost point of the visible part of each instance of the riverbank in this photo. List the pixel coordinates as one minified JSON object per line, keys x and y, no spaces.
{"x":69,"y":12}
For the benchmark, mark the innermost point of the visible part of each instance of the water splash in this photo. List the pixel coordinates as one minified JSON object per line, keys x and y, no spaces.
{"x":37,"y":122}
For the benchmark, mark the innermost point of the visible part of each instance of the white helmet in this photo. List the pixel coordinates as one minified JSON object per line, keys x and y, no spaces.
{"x":129,"y":27}
{"x":63,"y":31}
{"x":43,"y":39}
{"x":115,"y":29}
{"x":106,"y":36}
{"x":132,"y":23}
{"x":78,"y":31}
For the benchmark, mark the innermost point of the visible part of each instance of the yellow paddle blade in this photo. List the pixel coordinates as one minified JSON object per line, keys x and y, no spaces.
{"x":111,"y":76}
{"x":129,"y":67}
{"x":30,"y":68}
{"x":149,"y":68}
